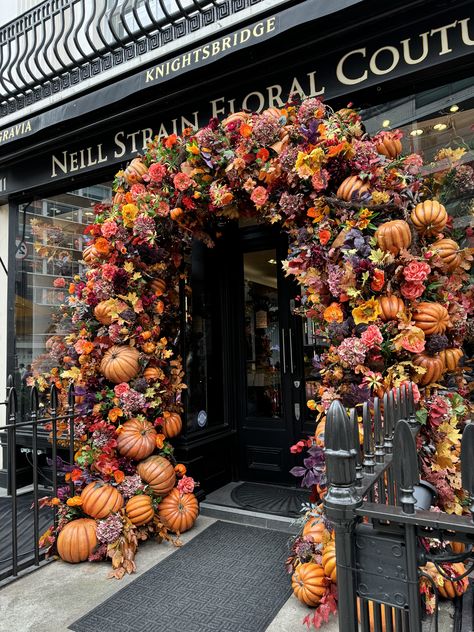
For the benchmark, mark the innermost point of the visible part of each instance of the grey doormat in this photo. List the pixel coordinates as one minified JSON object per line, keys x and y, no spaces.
{"x":228,"y":578}
{"x":280,"y":501}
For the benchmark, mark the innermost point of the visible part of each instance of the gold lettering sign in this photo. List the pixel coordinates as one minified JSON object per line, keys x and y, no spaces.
{"x":15,"y":131}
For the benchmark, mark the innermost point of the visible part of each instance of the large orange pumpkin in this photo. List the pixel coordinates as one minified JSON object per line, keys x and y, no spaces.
{"x":139,"y":509}
{"x":450,"y":358}
{"x":100,"y":499}
{"x":446,"y":588}
{"x":434,"y":366}
{"x":103,"y":312}
{"x":429,"y":217}
{"x":448,"y":251}
{"x":315,"y":528}
{"x":352,"y":188}
{"x":77,"y":540}
{"x":390,"y":306}
{"x":136,"y":439}
{"x":432,"y":318}
{"x":135,"y":171}
{"x":172,"y":424}
{"x":309,"y":583}
{"x":90,"y":254}
{"x":178,"y":511}
{"x":389,"y":146}
{"x":393,"y":236}
{"x":158,"y":473}
{"x":158,"y":286}
{"x":372,"y":617}
{"x":329,"y":561}
{"x":120,"y":363}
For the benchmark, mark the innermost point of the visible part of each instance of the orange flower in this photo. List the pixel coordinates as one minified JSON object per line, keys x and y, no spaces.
{"x":55,"y":501}
{"x":159,"y":307}
{"x":149,"y":347}
{"x":75,"y":501}
{"x":119,"y":476}
{"x":160,"y":440}
{"x":245,"y":130}
{"x":378,"y":280}
{"x":72,"y":288}
{"x":102,"y":246}
{"x":180,"y":469}
{"x":114,"y":414}
{"x":84,"y":346}
{"x":146,"y":335}
{"x":263,"y":154}
{"x":324,"y":236}
{"x":171,"y":141}
{"x":333,"y":313}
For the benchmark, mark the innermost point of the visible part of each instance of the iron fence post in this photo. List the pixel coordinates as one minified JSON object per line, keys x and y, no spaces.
{"x":12,"y":410}
{"x":340,"y":504}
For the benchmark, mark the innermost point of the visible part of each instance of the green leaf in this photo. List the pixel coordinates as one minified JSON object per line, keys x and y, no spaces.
{"x":422,"y":416}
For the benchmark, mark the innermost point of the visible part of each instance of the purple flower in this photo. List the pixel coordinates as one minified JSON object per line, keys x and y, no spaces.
{"x":109,"y":530}
{"x":314,"y":470}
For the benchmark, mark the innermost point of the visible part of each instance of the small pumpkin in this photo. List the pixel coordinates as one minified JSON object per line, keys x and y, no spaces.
{"x":135,"y":171}
{"x":446,"y":588}
{"x":152,"y":373}
{"x":171,"y":425}
{"x":178,"y":511}
{"x":434,"y":366}
{"x":100,"y":499}
{"x":309,"y":583}
{"x":158,"y":473}
{"x":119,"y":198}
{"x":389,"y":145}
{"x":120,"y":363}
{"x":158,"y":287}
{"x":139,"y":509}
{"x":429,"y":217}
{"x":432,"y":318}
{"x":450,"y":358}
{"x":315,"y":528}
{"x":329,"y":561}
{"x":236,"y":119}
{"x":176,"y":213}
{"x":383,"y":617}
{"x":390,"y":306}
{"x":90,"y":254}
{"x":77,"y":540}
{"x":393,"y":236}
{"x":448,"y":251}
{"x":136,"y":439}
{"x":457,"y":547}
{"x":103,"y":312}
{"x":352,"y":188}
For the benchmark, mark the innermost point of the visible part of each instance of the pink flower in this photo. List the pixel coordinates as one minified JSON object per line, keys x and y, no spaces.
{"x":59,"y":282}
{"x":259,"y":196}
{"x":108,"y":270}
{"x":416,"y":271}
{"x":137,"y":189}
{"x":320,"y":179}
{"x":413,"y":164}
{"x":412,"y":290}
{"x":157,"y":172}
{"x":109,"y":228}
{"x":121,"y":389}
{"x":372,"y":337}
{"x":186,"y":485}
{"x":182,"y":181}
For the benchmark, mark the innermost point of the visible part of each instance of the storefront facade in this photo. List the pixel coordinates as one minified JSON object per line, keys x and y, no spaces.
{"x":251,"y":363}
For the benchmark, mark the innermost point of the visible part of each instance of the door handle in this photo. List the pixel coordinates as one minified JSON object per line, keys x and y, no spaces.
{"x":290,"y":336}
{"x":297,"y":409}
{"x":283,"y":351}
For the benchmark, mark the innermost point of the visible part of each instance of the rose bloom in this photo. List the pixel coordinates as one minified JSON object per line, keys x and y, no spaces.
{"x":416,"y":271}
{"x":60,"y":282}
{"x":259,"y":196}
{"x":324,"y":236}
{"x":102,"y":246}
{"x":372,"y":337}
{"x":182,"y":181}
{"x":412,"y":290}
{"x":186,"y":485}
{"x":157,"y":172}
{"x":136,"y":190}
{"x":121,"y":388}
{"x":378,"y":280}
{"x":109,"y":228}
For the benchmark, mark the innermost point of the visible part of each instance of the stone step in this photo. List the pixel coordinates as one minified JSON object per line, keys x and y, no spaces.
{"x":251,"y":518}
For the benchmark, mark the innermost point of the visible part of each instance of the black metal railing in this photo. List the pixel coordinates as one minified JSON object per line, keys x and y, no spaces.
{"x":20,"y":515}
{"x":374,"y":503}
{"x":60,"y":43}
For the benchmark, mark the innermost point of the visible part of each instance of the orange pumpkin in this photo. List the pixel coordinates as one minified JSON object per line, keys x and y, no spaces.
{"x":393,"y":236}
{"x":457,"y":547}
{"x":448,"y":251}
{"x":329,"y":561}
{"x":158,"y":286}
{"x":152,"y":373}
{"x":390,"y":306}
{"x":372,"y":617}
{"x":77,"y":540}
{"x":432,"y":318}
{"x":139,"y":509}
{"x":119,"y":198}
{"x":309,"y":583}
{"x":172,"y":424}
{"x":103,"y":311}
{"x":158,"y":473}
{"x":429,"y":217}
{"x":434,"y":366}
{"x":90,"y":254}
{"x":315,"y":528}
{"x":176,"y":213}
{"x":389,"y":146}
{"x":178,"y":511}
{"x":159,"y":307}
{"x":100,"y":499}
{"x":450,"y":358}
{"x":352,"y":188}
{"x":120,"y":363}
{"x":236,"y":118}
{"x":135,"y":171}
{"x":136,"y":439}
{"x":446,"y":588}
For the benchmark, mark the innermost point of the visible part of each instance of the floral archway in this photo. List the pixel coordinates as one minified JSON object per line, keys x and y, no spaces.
{"x":384,"y":276}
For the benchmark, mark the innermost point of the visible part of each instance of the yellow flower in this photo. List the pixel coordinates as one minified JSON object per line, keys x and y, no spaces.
{"x":380,"y":197}
{"x":367,"y":312}
{"x":307,"y":164}
{"x":129,"y":213}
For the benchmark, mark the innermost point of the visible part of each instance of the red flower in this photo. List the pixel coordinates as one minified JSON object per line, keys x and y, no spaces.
{"x":171,"y":141}
{"x":182,"y":181}
{"x":378,"y":280}
{"x":263,"y":154}
{"x":324,"y":236}
{"x":412,"y":290}
{"x":416,"y":271}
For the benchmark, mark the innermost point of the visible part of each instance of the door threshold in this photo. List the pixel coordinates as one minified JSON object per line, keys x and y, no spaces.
{"x":249,"y":518}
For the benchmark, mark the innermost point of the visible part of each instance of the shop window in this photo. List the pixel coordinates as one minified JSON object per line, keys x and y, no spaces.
{"x":52,"y":231}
